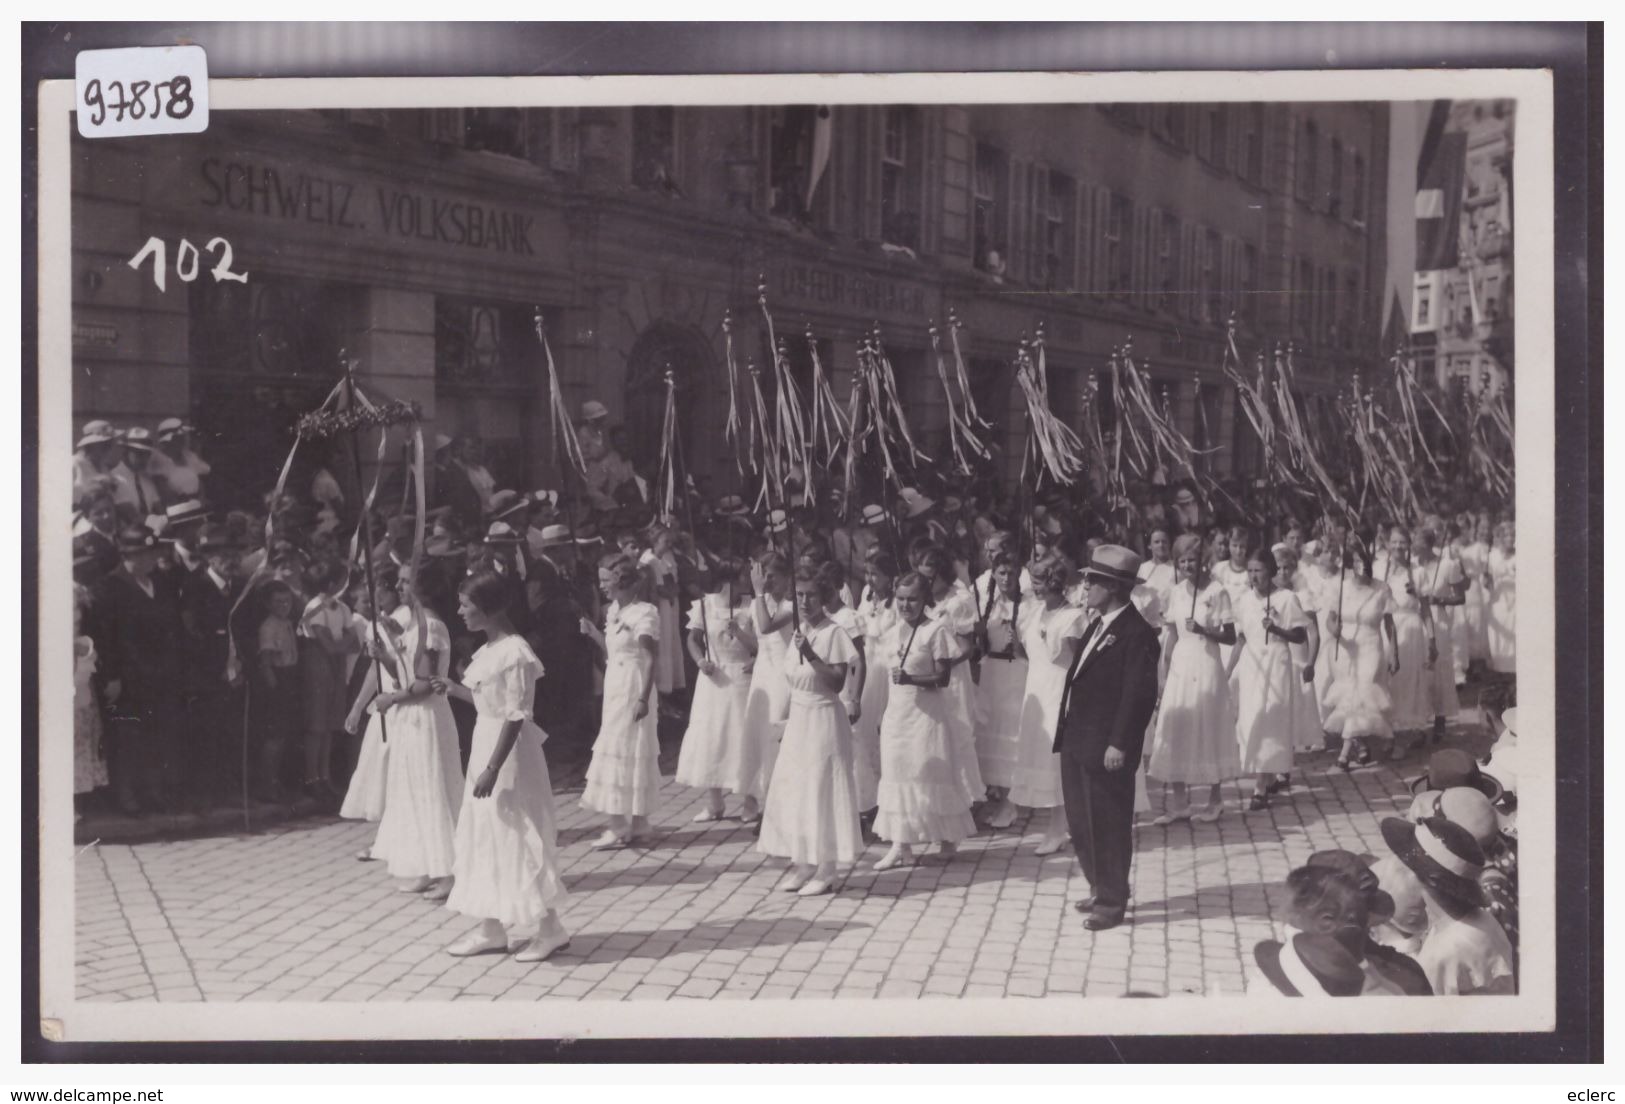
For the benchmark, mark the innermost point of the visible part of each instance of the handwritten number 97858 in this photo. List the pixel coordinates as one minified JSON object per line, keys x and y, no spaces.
{"x":171,"y":97}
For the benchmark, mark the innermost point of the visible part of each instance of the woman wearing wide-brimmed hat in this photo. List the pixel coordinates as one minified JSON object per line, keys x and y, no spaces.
{"x":1388,"y":971}
{"x":1465,"y":951}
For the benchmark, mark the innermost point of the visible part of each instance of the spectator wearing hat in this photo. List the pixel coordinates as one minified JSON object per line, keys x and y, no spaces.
{"x":174,"y":465}
{"x":1387,"y":970}
{"x":1471,"y":808}
{"x":502,"y":554}
{"x":1465,"y":951}
{"x":133,"y":489}
{"x":138,"y":618}
{"x":95,"y":530}
{"x":95,"y":455}
{"x":1324,"y":956}
{"x":607,"y":472}
{"x":183,"y":526}
{"x":207,"y":597}
{"x":1111,"y":692}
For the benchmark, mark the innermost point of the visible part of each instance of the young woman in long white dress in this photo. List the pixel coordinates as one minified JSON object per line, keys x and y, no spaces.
{"x":660,"y":561}
{"x":1358,"y":705}
{"x":811,"y":815}
{"x":717,"y":754}
{"x":1308,"y":739}
{"x":1050,"y":638}
{"x":417,"y":834}
{"x":623,"y":779}
{"x":1475,"y":559}
{"x":506,"y":871}
{"x":877,"y":613}
{"x":1501,"y":601}
{"x":369,"y":782}
{"x":1324,"y":580}
{"x":1441,"y":588}
{"x":1001,"y":688}
{"x":1411,"y":681}
{"x":1195,"y":742}
{"x":953,"y":603}
{"x":773,"y":615}
{"x":921,"y":801}
{"x":1270,"y":711}
{"x":833,"y":578}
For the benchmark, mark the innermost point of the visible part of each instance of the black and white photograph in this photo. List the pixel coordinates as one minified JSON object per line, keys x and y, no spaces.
{"x":914,"y":555}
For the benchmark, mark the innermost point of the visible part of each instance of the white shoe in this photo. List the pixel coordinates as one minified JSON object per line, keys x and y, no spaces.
{"x":416,"y":885}
{"x":609,"y":841}
{"x":815,"y":888}
{"x":439,"y":889}
{"x":707,"y":816}
{"x":541,"y":946}
{"x":1005,"y":817}
{"x":478,"y":943}
{"x":1209,"y":814}
{"x":893,"y":858}
{"x":1172,"y":818}
{"x":1049,"y":847}
{"x":792,"y":883}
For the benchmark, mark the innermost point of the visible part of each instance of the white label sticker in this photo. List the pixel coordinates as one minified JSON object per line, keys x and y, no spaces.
{"x":141,"y":90}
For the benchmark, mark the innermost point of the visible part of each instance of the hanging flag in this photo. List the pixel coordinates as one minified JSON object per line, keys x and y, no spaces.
{"x":823,"y":119}
{"x":1438,"y":203}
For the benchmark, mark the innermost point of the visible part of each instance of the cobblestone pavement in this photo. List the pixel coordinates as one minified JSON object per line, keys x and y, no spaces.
{"x":289,"y":914}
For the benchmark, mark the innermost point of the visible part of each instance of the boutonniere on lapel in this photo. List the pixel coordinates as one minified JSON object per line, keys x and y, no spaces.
{"x":1106,"y":642}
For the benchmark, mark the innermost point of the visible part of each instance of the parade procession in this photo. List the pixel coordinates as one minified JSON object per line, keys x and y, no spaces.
{"x":1066,"y":629}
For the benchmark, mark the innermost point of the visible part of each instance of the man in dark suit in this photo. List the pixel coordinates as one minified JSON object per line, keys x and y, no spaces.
{"x":1110,"y":695}
{"x":213,"y":709}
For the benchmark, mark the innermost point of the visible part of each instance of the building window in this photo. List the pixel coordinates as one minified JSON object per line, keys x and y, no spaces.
{"x":790,"y":165}
{"x":1334,"y":195}
{"x":1303,"y":296}
{"x":1168,"y":123}
{"x":1424,"y":307}
{"x":1053,"y":232}
{"x":1357,"y":206}
{"x":495,"y":130}
{"x":1212,"y":307}
{"x":988,"y":185}
{"x":654,"y":148}
{"x":1308,"y":161}
{"x":899,"y":178}
{"x":1213,"y":135}
{"x":1120,"y":246}
{"x":1492,"y":298}
{"x":1247,"y":283}
{"x":482,"y":343}
{"x":1168,"y":288}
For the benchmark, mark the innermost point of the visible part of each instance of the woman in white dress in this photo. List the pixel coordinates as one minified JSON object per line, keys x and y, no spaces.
{"x":876,"y":614}
{"x":1441,"y":588}
{"x":1002,"y":688}
{"x":418,"y":831}
{"x":1050,"y":636}
{"x":1195,"y":743}
{"x":369,"y":782}
{"x":1501,"y":600}
{"x":1288,"y":576}
{"x":1158,"y":571}
{"x":811,"y":817}
{"x":952,"y":601}
{"x":767,"y":703}
{"x":660,"y":560}
{"x":623,"y":779}
{"x":1410,"y":683}
{"x":1358,"y":705}
{"x":921,"y":801}
{"x":1271,"y":711}
{"x":506,"y":871}
{"x":833,"y":578}
{"x":717,"y":753}
{"x":1475,"y":558}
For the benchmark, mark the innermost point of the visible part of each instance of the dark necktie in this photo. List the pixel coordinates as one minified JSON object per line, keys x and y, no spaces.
{"x":1072,"y":671}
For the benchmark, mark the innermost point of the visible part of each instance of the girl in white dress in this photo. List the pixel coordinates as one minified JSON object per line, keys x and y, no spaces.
{"x":953,"y":603}
{"x":1410,"y":684}
{"x":1195,"y":743}
{"x":1049,"y":641}
{"x":921,"y":801}
{"x":660,"y":561}
{"x":876,"y":615}
{"x":717,"y":752}
{"x":1288,"y":576}
{"x":1475,"y":559}
{"x":811,"y":816}
{"x":369,"y":782}
{"x":623,"y":779}
{"x":506,"y":871}
{"x":1441,"y":588}
{"x":773,"y":619}
{"x":424,"y":791}
{"x":1002,"y":688}
{"x":1358,"y":705}
{"x":1501,"y":600}
{"x":833,"y":578}
{"x":1158,"y":571}
{"x":1270,"y":711}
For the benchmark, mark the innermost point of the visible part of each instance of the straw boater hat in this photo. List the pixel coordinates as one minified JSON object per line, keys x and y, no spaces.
{"x":592,"y":410}
{"x":555,"y":536}
{"x":587,"y":535}
{"x":170,"y":428}
{"x":914,"y":503}
{"x":501,"y":533}
{"x":1460,"y":805}
{"x":1114,"y":564}
{"x":1444,"y":856}
{"x":1310,"y":966}
{"x":96,"y":433}
{"x":185,"y":513}
{"x":138,"y":437}
{"x":505,"y":504}
{"x":872,"y":515}
{"x":1453,"y":767}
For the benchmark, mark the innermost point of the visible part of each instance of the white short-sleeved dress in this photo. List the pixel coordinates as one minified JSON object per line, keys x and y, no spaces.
{"x":424,"y":774}
{"x":1234,"y":581}
{"x":921,"y":800}
{"x":1310,"y":737}
{"x":1000,"y":692}
{"x":369,"y":782}
{"x":767,"y":702}
{"x":811,"y":814}
{"x":1412,"y":688}
{"x":717,"y":752}
{"x":1438,"y":579}
{"x":623,"y":778}
{"x":1357,"y":702}
{"x":875,"y":618}
{"x":1272,"y":712}
{"x":1195,"y":740}
{"x":507,"y":843}
{"x":1500,"y":610}
{"x":958,"y":611}
{"x":1475,"y":557}
{"x":1038,"y":768}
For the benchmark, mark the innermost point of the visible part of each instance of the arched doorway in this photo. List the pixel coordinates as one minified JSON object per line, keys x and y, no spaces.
{"x":665,"y":345}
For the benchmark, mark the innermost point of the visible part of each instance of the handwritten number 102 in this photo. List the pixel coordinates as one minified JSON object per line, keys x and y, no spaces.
{"x":178,"y":105}
{"x":186,"y":261}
